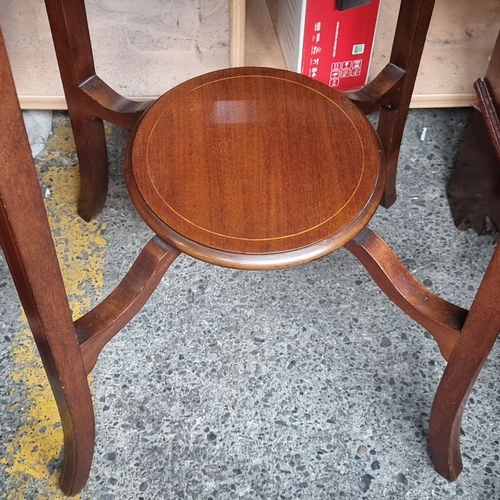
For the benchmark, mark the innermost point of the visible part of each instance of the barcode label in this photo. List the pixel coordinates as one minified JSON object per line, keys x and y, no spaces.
{"x":358,"y":49}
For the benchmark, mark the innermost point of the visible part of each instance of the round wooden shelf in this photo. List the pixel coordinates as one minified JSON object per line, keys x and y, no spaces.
{"x":255,"y":168}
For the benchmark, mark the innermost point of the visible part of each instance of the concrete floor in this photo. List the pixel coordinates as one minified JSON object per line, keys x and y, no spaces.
{"x":299,"y":384}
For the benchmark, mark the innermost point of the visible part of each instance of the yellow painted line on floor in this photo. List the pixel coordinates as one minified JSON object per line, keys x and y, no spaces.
{"x":81,"y":248}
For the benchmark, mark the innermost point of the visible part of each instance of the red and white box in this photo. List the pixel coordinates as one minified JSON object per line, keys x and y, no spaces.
{"x":328,"y":40}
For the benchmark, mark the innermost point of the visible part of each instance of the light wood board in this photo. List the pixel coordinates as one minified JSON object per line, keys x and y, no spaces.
{"x":144,"y":48}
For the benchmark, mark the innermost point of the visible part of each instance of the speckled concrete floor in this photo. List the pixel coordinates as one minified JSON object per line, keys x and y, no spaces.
{"x":299,"y":384}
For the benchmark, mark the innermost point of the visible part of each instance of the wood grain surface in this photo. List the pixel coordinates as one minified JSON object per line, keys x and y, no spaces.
{"x":256,"y":161}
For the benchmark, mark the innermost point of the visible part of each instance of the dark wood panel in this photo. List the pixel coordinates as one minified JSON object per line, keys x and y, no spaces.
{"x":474,"y":188}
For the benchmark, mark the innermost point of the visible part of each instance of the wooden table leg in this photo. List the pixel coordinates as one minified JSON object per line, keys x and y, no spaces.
{"x":26,"y":241}
{"x":478,"y":336}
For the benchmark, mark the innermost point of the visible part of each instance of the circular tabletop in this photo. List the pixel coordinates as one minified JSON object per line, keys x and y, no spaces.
{"x":255,"y":168}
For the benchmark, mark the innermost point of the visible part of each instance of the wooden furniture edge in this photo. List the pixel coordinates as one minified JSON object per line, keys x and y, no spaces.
{"x":237,"y":17}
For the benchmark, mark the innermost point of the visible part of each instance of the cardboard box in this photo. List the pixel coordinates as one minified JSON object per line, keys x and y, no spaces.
{"x":328,"y":40}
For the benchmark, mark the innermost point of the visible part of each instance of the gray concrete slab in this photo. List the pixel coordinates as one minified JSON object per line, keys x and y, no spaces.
{"x":298,"y":384}
{"x":38,"y":126}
